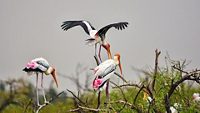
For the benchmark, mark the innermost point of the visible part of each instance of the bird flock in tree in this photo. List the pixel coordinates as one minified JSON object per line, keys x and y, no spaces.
{"x":103,"y":71}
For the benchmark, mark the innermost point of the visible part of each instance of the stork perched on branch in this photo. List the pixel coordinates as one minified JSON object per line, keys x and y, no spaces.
{"x":40,"y":65}
{"x":97,"y":36}
{"x":104,"y":71}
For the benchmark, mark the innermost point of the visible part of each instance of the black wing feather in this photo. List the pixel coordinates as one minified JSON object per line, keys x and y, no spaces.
{"x":69,"y":24}
{"x":32,"y":70}
{"x":119,"y":26}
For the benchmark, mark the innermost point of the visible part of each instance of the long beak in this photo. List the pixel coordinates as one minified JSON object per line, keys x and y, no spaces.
{"x":120,"y":67}
{"x":54,"y":76}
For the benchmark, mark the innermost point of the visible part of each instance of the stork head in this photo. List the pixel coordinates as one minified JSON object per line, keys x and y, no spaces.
{"x":52,"y":71}
{"x":107,"y":47}
{"x":118,"y":62}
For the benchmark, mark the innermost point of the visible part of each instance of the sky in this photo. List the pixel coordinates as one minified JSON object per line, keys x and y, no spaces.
{"x":31,"y":28}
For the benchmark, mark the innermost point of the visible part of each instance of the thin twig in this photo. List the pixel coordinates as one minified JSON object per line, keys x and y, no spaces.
{"x":120,"y":77}
{"x":87,"y":109}
{"x":132,"y":106}
{"x":29,"y":103}
{"x":138,"y":94}
{"x":128,"y":85}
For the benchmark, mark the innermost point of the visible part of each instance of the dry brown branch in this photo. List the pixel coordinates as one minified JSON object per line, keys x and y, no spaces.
{"x":157,"y":53}
{"x":128,"y":85}
{"x":179,"y":69}
{"x":138,"y":93}
{"x":120,"y":77}
{"x":132,"y":106}
{"x":87,"y":109}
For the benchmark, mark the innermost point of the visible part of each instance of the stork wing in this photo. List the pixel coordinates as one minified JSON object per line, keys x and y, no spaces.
{"x":30,"y":70}
{"x":41,"y":61}
{"x":119,"y":26}
{"x":105,"y":68}
{"x":84,"y":24}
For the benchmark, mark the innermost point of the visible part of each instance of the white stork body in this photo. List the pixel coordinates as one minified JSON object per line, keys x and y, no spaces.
{"x":97,"y":36}
{"x":40,"y":65}
{"x":105,"y":70}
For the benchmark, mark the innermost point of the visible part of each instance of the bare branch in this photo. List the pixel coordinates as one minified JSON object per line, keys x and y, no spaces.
{"x":179,"y":69}
{"x":87,"y":109}
{"x":128,"y":104}
{"x":120,"y":77}
{"x":155,"y":69}
{"x":138,"y":93}
{"x":128,"y":85}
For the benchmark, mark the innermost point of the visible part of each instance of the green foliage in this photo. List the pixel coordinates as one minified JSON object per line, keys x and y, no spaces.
{"x":18,"y":96}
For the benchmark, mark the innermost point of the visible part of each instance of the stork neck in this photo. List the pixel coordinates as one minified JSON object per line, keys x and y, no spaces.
{"x":116,"y":60}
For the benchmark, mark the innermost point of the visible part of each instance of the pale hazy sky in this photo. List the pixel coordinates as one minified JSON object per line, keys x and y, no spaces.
{"x":31,"y":28}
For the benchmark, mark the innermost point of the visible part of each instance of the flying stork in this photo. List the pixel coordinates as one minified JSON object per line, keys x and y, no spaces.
{"x":40,"y":65}
{"x":97,"y":36}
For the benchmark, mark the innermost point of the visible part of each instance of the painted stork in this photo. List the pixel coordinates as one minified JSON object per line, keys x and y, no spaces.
{"x":97,"y":36}
{"x":104,"y":71}
{"x":40,"y":65}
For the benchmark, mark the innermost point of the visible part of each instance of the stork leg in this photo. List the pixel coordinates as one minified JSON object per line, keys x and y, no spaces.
{"x":107,"y":91}
{"x":99,"y":99}
{"x":45,"y":100}
{"x":100,"y":53}
{"x":37,"y":96}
